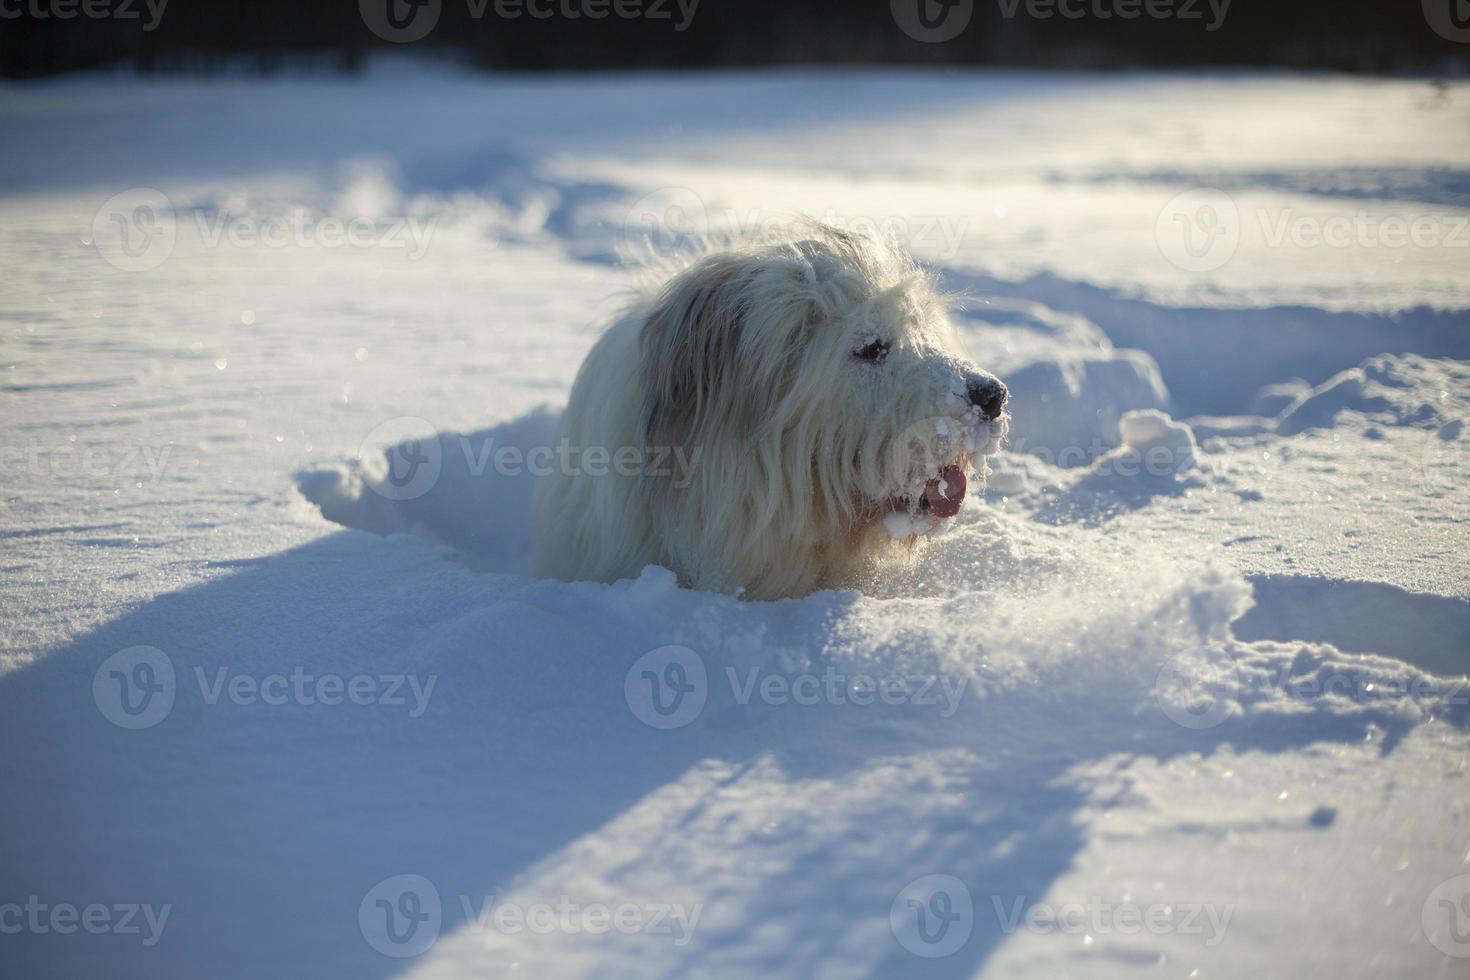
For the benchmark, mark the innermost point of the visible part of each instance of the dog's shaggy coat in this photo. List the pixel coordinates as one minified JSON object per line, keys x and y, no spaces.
{"x":821,"y":407}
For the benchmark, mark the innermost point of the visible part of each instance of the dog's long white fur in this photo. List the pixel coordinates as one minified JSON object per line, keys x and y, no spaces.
{"x":745,"y":361}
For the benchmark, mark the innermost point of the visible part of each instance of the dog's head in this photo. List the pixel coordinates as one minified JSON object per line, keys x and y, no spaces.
{"x":822,"y":379}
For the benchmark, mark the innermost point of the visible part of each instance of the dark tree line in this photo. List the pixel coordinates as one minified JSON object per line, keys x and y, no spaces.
{"x":207,"y":35}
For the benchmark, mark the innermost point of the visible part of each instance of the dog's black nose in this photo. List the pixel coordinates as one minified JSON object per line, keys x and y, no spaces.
{"x":987,"y":394}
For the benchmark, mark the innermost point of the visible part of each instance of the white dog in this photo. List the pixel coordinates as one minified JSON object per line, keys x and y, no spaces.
{"x":816,"y":399}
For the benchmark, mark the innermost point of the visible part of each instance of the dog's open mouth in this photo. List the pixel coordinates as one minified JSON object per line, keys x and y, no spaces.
{"x":943,"y":495}
{"x":922,"y":512}
{"x":939,"y":501}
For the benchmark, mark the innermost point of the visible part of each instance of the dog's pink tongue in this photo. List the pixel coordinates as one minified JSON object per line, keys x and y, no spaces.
{"x":945,"y":501}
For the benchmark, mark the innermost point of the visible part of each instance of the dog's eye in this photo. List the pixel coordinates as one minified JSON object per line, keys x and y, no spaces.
{"x":873,"y":350}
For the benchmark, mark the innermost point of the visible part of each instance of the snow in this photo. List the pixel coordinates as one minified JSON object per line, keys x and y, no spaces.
{"x":1205,"y":721}
{"x":1163,"y":447}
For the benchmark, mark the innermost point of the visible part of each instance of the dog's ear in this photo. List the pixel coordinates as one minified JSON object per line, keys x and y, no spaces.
{"x":723,"y":342}
{"x":691,"y":347}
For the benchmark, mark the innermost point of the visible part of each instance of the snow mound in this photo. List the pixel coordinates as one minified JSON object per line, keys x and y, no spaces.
{"x":1159,"y":441}
{"x":1149,"y":653}
{"x":1069,"y":386}
{"x":1389,"y":389}
{"x":1427,"y":631}
{"x":472,"y":492}
{"x":1067,"y":410}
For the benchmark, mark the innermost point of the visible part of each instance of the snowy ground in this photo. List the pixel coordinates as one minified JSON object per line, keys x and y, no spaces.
{"x":1200,"y":706}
